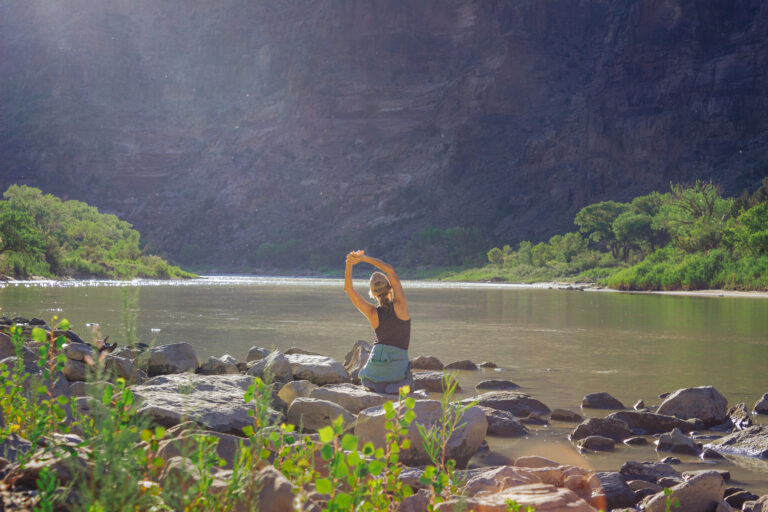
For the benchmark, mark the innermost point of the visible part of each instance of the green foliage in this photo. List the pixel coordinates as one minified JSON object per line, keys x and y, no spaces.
{"x":42,"y":235}
{"x":495,"y":256}
{"x":596,"y":220}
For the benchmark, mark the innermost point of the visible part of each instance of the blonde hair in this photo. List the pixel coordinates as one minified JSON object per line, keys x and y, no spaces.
{"x":380,"y":289}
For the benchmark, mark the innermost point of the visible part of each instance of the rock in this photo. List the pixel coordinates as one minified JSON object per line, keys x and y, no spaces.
{"x":701,"y":493}
{"x":601,"y":401}
{"x":461,"y":446}
{"x":637,"y":485}
{"x":750,"y":442}
{"x":534,"y":419}
{"x":610,"y":491}
{"x":726,"y":475}
{"x":415,"y":503}
{"x":704,"y":403}
{"x":534,"y":461}
{"x":542,"y":497}
{"x":126,"y":352}
{"x":761,"y":406}
{"x":75,"y":370}
{"x":78,"y":351}
{"x":710,"y":454}
{"x":187,"y":441}
{"x":318,"y":370}
{"x":7,"y":348}
{"x":639,"y":405}
{"x":301,"y":352}
{"x":179,"y":472}
{"x":503,"y":423}
{"x":60,"y":382}
{"x":488,"y":364}
{"x":427,"y":363}
{"x":312,"y":414}
{"x":648,"y":471}
{"x":433,"y":381}
{"x":213,"y":401}
{"x":738,"y":498}
{"x":351,"y":397}
{"x":519,"y":404}
{"x":295,"y":389}
{"x":274,"y":368}
{"x":740,"y":417}
{"x":496,"y":384}
{"x":219,"y":365}
{"x":671,"y":460}
{"x":356,"y":359}
{"x":597,"y":443}
{"x":636,"y":441}
{"x":13,"y":446}
{"x":760,"y":505}
{"x":496,"y":479}
{"x":174,"y":358}
{"x":565,"y":415}
{"x":256,"y":353}
{"x":606,"y":427}
{"x":723,"y":506}
{"x":465,"y":364}
{"x":77,"y":388}
{"x":677,"y":442}
{"x":648,"y":423}
{"x":124,"y":368}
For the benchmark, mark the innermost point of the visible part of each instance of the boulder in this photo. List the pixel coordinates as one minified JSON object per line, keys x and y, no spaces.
{"x":740,"y":417}
{"x":566,"y":416}
{"x":433,"y":381}
{"x":215,"y":402}
{"x":219,"y":365}
{"x":597,"y":444}
{"x":274,"y":368}
{"x":677,"y":442}
{"x":256,"y":353}
{"x":610,"y":491}
{"x":427,"y":363}
{"x":466,"y":364}
{"x":60,"y":383}
{"x":179,"y":472}
{"x":295,"y":389}
{"x":639,"y":405}
{"x":534,"y":461}
{"x":7,"y":348}
{"x":496,"y":384}
{"x":750,"y":442}
{"x":300,"y":351}
{"x":600,"y":401}
{"x":126,"y":352}
{"x":759,"y":505}
{"x":519,"y":404}
{"x":312,"y":414}
{"x":704,"y":402}
{"x":66,"y":467}
{"x":275,"y":492}
{"x":503,"y":423}
{"x":13,"y":446}
{"x":318,"y":370}
{"x":710,"y":454}
{"x":351,"y":397}
{"x":701,"y":493}
{"x":356,"y":359}
{"x":761,"y":406}
{"x":461,"y":446}
{"x":75,"y":370}
{"x":78,"y":388}
{"x":606,"y":427}
{"x":187,"y":442}
{"x":648,"y":423}
{"x":648,"y":471}
{"x":636,"y":441}
{"x":173,"y":358}
{"x":737,"y":498}
{"x":488,"y":364}
{"x":534,"y":419}
{"x":124,"y":368}
{"x":78,"y":351}
{"x":542,"y":497}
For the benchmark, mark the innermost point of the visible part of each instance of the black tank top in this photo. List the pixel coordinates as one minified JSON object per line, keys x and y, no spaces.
{"x":391,"y":330}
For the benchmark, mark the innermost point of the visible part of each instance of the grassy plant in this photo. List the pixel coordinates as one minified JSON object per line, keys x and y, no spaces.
{"x":513,"y":506}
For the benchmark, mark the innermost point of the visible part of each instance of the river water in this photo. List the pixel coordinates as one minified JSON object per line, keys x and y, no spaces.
{"x":558,"y":345}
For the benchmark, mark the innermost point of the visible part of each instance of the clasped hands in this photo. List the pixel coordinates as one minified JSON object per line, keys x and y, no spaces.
{"x":355,"y":257}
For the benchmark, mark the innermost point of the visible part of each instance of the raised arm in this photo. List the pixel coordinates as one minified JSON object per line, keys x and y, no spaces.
{"x":362,"y":305}
{"x":401,"y":305}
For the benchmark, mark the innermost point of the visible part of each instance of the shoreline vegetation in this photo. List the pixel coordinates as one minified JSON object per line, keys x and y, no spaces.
{"x":43,"y":236}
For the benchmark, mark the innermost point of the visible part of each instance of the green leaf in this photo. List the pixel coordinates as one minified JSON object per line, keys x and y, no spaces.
{"x":390,"y":415}
{"x":63,"y":400}
{"x":338,"y":424}
{"x":64,"y":324}
{"x":405,"y":444}
{"x":353,"y":459}
{"x":146,"y":435}
{"x":326,"y":452}
{"x":379,"y":453}
{"x":39,"y":335}
{"x":410,"y":403}
{"x":42,"y":390}
{"x":323,"y":485}
{"x":341,"y":470}
{"x":409,"y":416}
{"x":160,"y":432}
{"x":265,"y":453}
{"x":326,"y":434}
{"x":158,"y":462}
{"x":388,"y":407}
{"x":248,"y":430}
{"x":274,"y":437}
{"x":376,"y":467}
{"x":368,"y":449}
{"x":388,"y":425}
{"x":349,"y":442}
{"x":343,"y":500}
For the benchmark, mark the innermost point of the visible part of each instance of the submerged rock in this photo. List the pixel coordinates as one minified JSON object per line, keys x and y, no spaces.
{"x":646,"y":423}
{"x":426,"y":363}
{"x":173,"y":358}
{"x":677,"y":442}
{"x":433,"y":381}
{"x":466,"y":364}
{"x":597,"y":443}
{"x":503,"y":423}
{"x":566,"y":416}
{"x":704,"y":402}
{"x":606,"y":427}
{"x":600,"y":401}
{"x":761,"y":406}
{"x":739,"y":416}
{"x":496,"y":384}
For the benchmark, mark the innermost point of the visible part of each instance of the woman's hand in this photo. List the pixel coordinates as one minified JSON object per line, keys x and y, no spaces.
{"x":355,"y":257}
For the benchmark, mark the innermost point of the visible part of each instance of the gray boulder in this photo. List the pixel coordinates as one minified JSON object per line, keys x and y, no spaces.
{"x":173,"y":358}
{"x":701,"y":493}
{"x":124,"y":368}
{"x":466,"y":364}
{"x":503,"y":423}
{"x":295,"y":389}
{"x":256,"y":353}
{"x":350,"y":396}
{"x":274,"y":368}
{"x":318,"y":370}
{"x":761,"y":406}
{"x":566,"y":416}
{"x":597,"y":444}
{"x":427,"y":363}
{"x":610,"y":491}
{"x":78,"y":351}
{"x":225,"y":364}
{"x":312,"y":414}
{"x":275,"y":492}
{"x":496,"y":384}
{"x":519,"y":404}
{"x":648,"y":471}
{"x":648,"y":423}
{"x":606,"y":427}
{"x":433,"y":381}
{"x":60,"y":383}
{"x":75,"y":370}
{"x":600,"y":401}
{"x":704,"y":402}
{"x":356,"y":359}
{"x":461,"y":446}
{"x":750,"y":442}
{"x":677,"y":442}
{"x":7,"y":349}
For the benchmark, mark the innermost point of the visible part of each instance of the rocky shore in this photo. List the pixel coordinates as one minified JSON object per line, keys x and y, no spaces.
{"x":176,"y":390}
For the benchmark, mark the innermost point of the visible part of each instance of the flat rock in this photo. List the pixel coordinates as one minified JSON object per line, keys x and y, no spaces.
{"x":750,"y":442}
{"x":356,"y":359}
{"x":301,"y":351}
{"x":519,"y":404}
{"x":710,"y":454}
{"x":606,"y":427}
{"x":295,"y":389}
{"x":600,"y":401}
{"x":461,"y":446}
{"x":677,"y":442}
{"x":503,"y":423}
{"x":704,"y":402}
{"x":610,"y":491}
{"x":566,"y":416}
{"x":256,"y":353}
{"x":274,"y":368}
{"x":648,"y":471}
{"x":759,"y":505}
{"x":433,"y":381}
{"x":312,"y":414}
{"x":466,"y":364}
{"x":317,"y":369}
{"x":496,"y":384}
{"x":225,"y":364}
{"x":761,"y":406}
{"x":597,"y":443}
{"x":542,"y":497}
{"x":351,"y":397}
{"x":213,"y":401}
{"x":173,"y":358}
{"x":701,"y":493}
{"x":534,"y":461}
{"x":648,"y":423}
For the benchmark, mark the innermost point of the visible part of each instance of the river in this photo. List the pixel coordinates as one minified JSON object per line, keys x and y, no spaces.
{"x":558,"y":345}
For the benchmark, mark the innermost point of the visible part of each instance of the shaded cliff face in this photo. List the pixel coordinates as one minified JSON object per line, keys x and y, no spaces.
{"x":217,"y":127}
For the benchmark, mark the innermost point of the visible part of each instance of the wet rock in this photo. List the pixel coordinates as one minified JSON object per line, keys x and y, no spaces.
{"x":318,"y":370}
{"x":600,"y":401}
{"x":496,"y":384}
{"x":606,"y":427}
{"x":295,"y":389}
{"x":488,"y":364}
{"x":312,"y":414}
{"x":78,"y":351}
{"x":461,"y":446}
{"x":704,"y":403}
{"x":636,"y":441}
{"x":544,"y":497}
{"x":433,"y":381}
{"x":566,"y":416}
{"x":173,"y":358}
{"x":427,"y":363}
{"x":701,"y":493}
{"x":356,"y":359}
{"x":256,"y":353}
{"x":213,"y":401}
{"x":648,"y":423}
{"x":610,"y":491}
{"x":597,"y":443}
{"x":351,"y":397}
{"x":761,"y":406}
{"x":534,"y":419}
{"x":750,"y":442}
{"x":503,"y":423}
{"x":737,"y":498}
{"x":649,"y":471}
{"x":677,"y":442}
{"x":710,"y":454}
{"x":519,"y":404}
{"x":275,"y":368}
{"x":466,"y":364}
{"x":740,"y":417}
{"x":225,"y":364}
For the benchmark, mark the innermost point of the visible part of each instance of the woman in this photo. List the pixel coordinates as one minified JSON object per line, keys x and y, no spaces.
{"x":388,"y":367}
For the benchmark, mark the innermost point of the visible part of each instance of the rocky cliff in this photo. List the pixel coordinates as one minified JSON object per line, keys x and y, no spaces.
{"x":216,"y":127}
